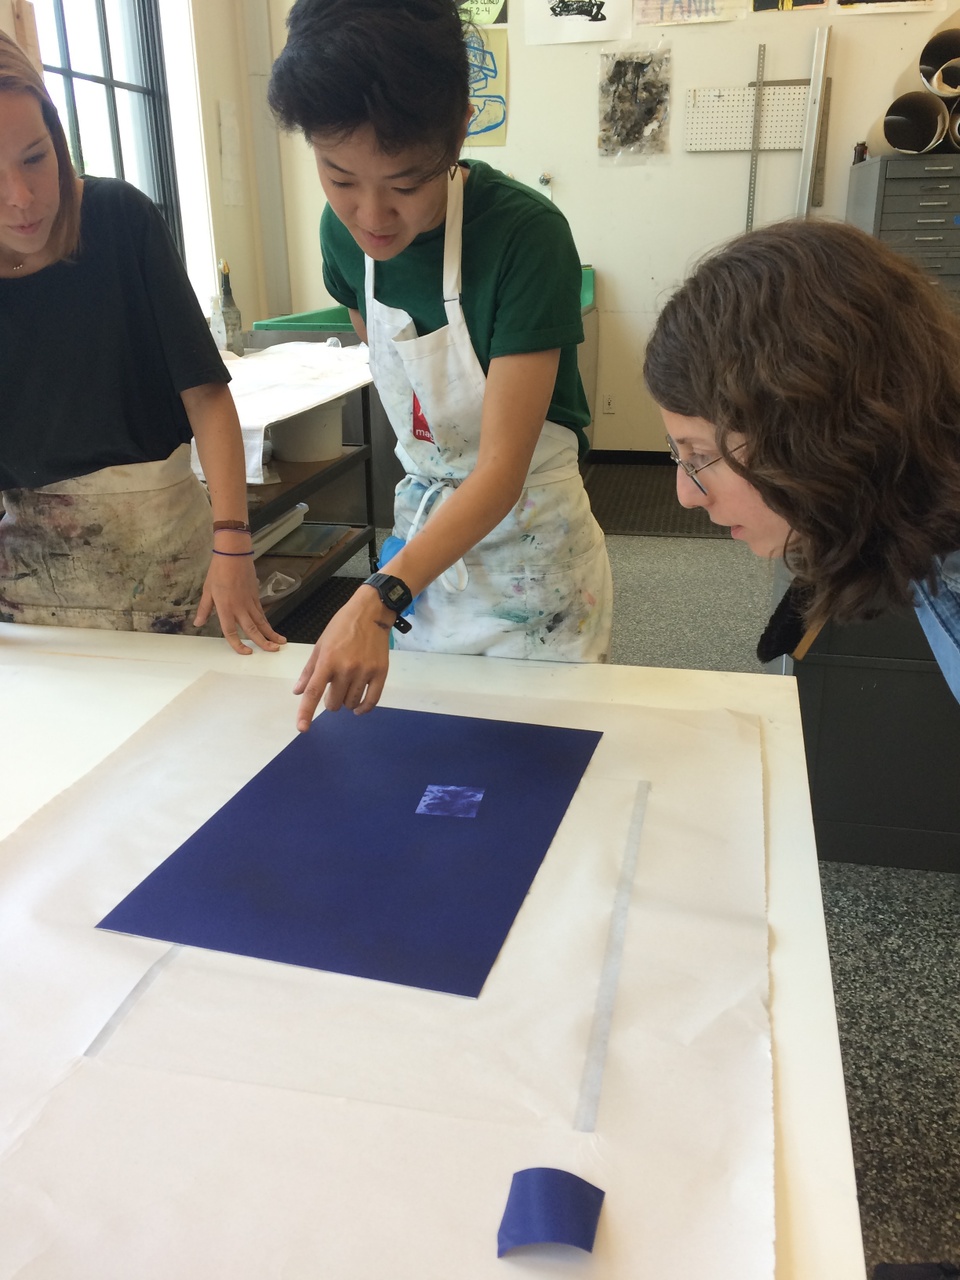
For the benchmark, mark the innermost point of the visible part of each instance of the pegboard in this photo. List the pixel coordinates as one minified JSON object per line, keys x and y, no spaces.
{"x":722,"y":119}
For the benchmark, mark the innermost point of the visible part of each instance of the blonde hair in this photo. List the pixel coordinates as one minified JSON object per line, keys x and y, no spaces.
{"x":19,"y":75}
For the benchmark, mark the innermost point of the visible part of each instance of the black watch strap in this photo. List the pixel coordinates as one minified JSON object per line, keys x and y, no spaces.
{"x":395,"y":594}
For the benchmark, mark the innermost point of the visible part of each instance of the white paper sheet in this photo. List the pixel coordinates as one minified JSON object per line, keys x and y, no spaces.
{"x":312,"y":1065}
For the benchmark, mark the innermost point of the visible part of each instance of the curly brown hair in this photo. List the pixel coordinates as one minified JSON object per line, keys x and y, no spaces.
{"x":19,"y":75}
{"x":839,"y":362}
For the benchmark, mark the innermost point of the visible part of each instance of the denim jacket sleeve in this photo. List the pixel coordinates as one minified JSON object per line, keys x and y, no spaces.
{"x":939,"y":616}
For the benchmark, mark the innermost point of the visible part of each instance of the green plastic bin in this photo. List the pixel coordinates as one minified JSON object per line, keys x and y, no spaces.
{"x":336,"y":319}
{"x":329,"y":320}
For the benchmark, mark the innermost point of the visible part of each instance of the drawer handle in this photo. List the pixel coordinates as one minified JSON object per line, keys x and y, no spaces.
{"x":930,"y":222}
{"x":928,"y":237}
{"x":932,"y":204}
{"x":938,"y":168}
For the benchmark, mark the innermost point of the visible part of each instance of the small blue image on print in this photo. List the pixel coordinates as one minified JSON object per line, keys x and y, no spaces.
{"x":450,"y":802}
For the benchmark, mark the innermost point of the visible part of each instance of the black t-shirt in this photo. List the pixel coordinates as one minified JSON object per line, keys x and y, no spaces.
{"x":94,"y":352}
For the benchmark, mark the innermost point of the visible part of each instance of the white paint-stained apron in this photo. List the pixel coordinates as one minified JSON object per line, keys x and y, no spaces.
{"x":124,"y":549}
{"x":538,"y":585}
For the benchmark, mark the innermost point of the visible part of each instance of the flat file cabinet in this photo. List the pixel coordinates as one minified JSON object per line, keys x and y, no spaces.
{"x":913,"y":203}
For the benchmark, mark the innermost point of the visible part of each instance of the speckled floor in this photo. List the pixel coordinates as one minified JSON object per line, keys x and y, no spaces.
{"x":895,"y":954}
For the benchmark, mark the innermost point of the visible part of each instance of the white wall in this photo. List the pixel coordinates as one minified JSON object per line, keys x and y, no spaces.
{"x":640,"y":225}
{"x":303,"y":199}
{"x":222,"y":63}
{"x":6,"y":17}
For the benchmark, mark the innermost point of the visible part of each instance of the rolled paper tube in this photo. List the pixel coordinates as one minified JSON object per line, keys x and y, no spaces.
{"x":953,"y":129}
{"x":916,"y":122}
{"x":946,"y":83}
{"x":938,"y":54}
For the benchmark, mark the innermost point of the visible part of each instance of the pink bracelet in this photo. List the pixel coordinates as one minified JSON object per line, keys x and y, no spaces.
{"x":231,"y":553}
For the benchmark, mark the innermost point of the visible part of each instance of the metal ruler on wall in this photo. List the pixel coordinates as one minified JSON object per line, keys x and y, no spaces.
{"x":768,"y":115}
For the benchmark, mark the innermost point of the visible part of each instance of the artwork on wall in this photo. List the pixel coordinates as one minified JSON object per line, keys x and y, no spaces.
{"x":485,"y":13}
{"x":885,"y":6}
{"x":662,"y":13}
{"x":634,"y":103}
{"x":760,"y":6}
{"x":487,"y":53}
{"x":572,"y":21}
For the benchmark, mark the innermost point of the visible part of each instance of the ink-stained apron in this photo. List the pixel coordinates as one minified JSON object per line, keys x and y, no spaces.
{"x":538,"y":585}
{"x":125,"y":549}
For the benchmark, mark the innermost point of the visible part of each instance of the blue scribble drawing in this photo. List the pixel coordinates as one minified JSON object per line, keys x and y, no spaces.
{"x":591,"y":9}
{"x":450,"y":802}
{"x":490,"y":109}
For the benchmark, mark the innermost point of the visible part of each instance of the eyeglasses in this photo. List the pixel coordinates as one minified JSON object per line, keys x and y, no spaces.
{"x":689,"y":469}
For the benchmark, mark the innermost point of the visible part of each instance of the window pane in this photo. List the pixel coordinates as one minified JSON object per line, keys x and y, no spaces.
{"x":57,"y":91}
{"x":94,"y":124}
{"x":47,"y":32}
{"x":124,"y":44}
{"x":133,"y":119}
{"x":83,"y":37}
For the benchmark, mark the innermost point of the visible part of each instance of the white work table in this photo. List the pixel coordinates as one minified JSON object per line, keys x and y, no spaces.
{"x":137,"y":1153}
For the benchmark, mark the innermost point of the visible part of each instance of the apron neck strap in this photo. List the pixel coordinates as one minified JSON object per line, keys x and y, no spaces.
{"x":452,"y":237}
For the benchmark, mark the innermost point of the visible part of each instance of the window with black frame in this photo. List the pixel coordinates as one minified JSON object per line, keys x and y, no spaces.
{"x":103,"y":67}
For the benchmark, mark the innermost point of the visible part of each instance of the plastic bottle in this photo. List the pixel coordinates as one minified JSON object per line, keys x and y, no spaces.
{"x":231,"y":312}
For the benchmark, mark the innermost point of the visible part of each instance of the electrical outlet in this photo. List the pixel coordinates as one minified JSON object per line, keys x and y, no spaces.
{"x":608,"y":406}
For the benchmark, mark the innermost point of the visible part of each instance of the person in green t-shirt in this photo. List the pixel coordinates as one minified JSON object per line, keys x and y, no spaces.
{"x":466,"y":287}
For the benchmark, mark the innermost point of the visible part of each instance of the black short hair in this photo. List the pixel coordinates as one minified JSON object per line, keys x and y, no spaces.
{"x":399,"y":66}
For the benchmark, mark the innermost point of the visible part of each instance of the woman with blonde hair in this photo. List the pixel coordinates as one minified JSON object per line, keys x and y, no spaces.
{"x":108,"y":368}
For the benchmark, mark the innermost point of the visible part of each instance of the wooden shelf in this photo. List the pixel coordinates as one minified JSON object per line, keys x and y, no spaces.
{"x":299,"y":481}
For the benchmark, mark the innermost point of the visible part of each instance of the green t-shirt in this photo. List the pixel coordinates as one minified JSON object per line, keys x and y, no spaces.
{"x":520,"y":280}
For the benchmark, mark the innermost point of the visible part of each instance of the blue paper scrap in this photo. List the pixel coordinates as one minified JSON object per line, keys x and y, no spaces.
{"x":333,"y":857}
{"x":549,"y":1206}
{"x":455,"y":802}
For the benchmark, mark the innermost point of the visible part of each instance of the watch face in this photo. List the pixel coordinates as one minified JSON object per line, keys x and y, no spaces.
{"x":394,"y":592}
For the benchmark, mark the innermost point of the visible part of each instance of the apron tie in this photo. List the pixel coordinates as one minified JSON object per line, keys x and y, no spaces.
{"x":456,"y":577}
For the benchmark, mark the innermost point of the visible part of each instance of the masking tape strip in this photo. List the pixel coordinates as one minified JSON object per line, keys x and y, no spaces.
{"x":585,"y":1119}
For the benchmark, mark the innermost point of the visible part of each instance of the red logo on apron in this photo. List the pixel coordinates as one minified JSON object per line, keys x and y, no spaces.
{"x":421,"y":428}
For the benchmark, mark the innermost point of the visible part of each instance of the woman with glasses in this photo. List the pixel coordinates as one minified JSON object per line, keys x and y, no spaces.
{"x":107,"y":368}
{"x":809,"y":380}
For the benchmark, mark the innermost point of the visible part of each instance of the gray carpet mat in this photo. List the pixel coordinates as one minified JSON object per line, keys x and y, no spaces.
{"x":304,"y":624}
{"x":630,"y":498}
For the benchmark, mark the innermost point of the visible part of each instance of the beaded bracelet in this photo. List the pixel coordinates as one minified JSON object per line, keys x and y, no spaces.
{"x":231,"y":553}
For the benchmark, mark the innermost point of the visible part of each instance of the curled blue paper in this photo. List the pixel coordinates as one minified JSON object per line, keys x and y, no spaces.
{"x":549,"y":1206}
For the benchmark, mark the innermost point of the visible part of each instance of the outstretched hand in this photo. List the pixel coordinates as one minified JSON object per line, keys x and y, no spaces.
{"x":231,"y":589}
{"x":349,"y":663}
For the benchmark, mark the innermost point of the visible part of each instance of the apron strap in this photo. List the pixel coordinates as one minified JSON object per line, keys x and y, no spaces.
{"x":456,"y":577}
{"x":452,"y":242}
